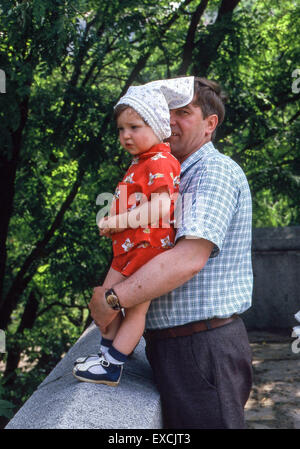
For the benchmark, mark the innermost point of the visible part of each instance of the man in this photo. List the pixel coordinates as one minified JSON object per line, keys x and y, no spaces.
{"x":196,"y":342}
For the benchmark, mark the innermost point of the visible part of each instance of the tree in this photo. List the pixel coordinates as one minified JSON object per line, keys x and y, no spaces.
{"x":58,"y":147}
{"x":66,"y":64}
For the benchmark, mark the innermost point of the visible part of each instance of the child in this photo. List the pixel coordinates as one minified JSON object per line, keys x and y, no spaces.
{"x":139,"y":222}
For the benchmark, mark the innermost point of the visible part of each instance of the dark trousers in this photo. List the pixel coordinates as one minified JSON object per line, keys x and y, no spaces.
{"x":205,"y":379}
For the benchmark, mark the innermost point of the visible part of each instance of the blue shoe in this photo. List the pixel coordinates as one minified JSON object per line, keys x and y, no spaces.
{"x":88,"y":358}
{"x":111,"y":375}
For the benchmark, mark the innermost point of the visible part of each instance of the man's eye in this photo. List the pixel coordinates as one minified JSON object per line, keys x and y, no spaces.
{"x":181,"y":112}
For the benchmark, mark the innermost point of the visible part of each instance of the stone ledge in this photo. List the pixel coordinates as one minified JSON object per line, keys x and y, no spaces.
{"x":276,"y":239}
{"x":276,"y":267}
{"x":62,"y":402}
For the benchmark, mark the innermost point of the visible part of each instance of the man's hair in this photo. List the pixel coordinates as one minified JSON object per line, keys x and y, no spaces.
{"x":211,"y":99}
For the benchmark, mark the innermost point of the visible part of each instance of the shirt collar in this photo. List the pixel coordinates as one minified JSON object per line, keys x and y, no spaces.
{"x":197,"y":156}
{"x":159,"y":148}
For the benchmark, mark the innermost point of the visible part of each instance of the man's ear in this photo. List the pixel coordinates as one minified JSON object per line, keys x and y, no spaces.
{"x":212,"y":122}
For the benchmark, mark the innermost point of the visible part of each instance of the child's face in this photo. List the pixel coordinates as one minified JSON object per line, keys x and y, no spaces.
{"x":135,"y":135}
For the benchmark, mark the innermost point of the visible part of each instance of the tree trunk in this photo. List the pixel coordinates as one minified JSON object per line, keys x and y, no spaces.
{"x":8,"y":168}
{"x":14,"y":353}
{"x":190,"y":39}
{"x":29,"y":266}
{"x":207,"y":47}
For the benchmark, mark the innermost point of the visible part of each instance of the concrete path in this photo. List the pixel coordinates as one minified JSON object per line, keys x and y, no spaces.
{"x":275,"y":399}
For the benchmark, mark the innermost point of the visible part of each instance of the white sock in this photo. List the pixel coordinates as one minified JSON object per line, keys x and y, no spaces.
{"x":104,"y":349}
{"x":116,"y":357}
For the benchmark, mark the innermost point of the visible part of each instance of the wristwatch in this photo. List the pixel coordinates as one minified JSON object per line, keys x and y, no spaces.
{"x":112,"y":299}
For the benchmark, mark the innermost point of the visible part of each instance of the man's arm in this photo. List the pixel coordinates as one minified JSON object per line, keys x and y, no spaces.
{"x":160,"y":275}
{"x":165,"y":272}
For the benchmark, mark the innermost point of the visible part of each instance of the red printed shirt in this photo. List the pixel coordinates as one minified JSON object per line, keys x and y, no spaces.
{"x":148,"y":172}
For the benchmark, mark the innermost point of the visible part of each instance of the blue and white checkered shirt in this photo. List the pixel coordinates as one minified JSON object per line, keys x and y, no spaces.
{"x":215,"y":205}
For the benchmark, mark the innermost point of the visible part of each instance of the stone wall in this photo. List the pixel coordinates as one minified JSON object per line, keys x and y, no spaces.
{"x":276,"y":267}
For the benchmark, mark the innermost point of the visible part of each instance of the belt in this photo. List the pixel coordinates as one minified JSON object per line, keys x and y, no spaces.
{"x":188,"y":329}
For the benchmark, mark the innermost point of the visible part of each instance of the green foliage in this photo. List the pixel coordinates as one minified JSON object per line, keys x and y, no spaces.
{"x":66,"y":64}
{"x":6,"y":409}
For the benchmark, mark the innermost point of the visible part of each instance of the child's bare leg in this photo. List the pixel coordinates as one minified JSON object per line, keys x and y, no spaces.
{"x":112,"y":278}
{"x":131,"y":329}
{"x":126,"y":338}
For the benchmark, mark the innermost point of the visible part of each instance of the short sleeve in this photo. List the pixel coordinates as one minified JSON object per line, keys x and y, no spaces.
{"x":207,"y":207}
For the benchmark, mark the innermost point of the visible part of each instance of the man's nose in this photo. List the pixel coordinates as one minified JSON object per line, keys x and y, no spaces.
{"x":172,"y":118}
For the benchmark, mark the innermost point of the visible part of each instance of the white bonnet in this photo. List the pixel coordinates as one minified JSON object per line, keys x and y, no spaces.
{"x":152,"y":101}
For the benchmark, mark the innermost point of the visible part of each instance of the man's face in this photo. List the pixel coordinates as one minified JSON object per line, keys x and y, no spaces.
{"x":189,"y":130}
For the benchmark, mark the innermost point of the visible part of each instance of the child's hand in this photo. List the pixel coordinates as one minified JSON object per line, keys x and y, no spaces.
{"x":110,"y":225}
{"x":104,"y":229}
{"x":105,"y":232}
{"x":113,"y":224}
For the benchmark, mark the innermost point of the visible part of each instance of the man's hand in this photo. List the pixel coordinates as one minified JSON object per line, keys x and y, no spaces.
{"x":101,"y":313}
